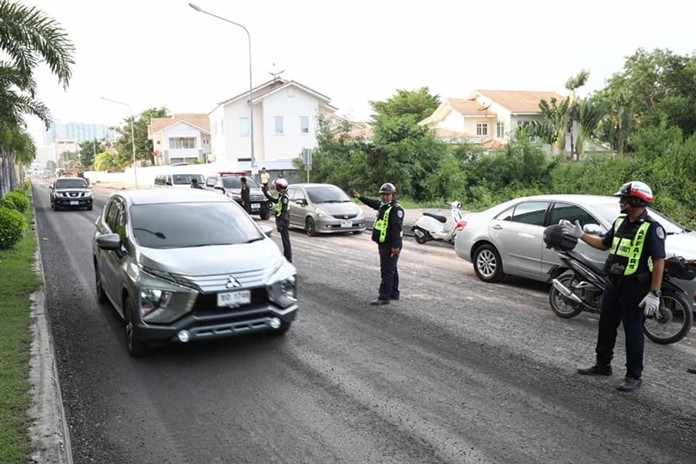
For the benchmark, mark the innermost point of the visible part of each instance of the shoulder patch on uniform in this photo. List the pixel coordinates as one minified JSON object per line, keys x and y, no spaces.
{"x":660,"y":231}
{"x":400,"y":213}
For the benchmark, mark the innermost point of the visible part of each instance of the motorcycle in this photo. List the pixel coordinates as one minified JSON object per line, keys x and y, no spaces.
{"x":578,"y":285}
{"x":431,"y":226}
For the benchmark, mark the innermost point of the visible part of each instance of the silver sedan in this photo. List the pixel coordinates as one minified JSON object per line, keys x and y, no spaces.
{"x":324,"y":209}
{"x":507,"y":239}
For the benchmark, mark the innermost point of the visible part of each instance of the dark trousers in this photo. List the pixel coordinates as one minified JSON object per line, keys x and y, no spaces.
{"x":285,"y":238}
{"x":389,"y":286}
{"x":620,"y":305}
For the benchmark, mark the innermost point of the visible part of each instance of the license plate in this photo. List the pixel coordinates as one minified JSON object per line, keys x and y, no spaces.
{"x":237,"y":298}
{"x":254,"y":206}
{"x":74,"y":203}
{"x":346,"y":224}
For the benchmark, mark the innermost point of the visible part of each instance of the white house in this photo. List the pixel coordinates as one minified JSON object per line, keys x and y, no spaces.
{"x":487,"y":116}
{"x":284,"y":123}
{"x":181,"y":138}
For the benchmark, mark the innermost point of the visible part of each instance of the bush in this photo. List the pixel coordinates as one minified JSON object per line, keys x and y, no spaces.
{"x":5,"y":203}
{"x":20,"y":200}
{"x":12,"y":226}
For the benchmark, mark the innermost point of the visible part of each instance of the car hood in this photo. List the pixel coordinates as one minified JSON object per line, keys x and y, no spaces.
{"x":681,"y":245}
{"x":65,"y":189}
{"x":219,"y":259}
{"x":339,"y":209}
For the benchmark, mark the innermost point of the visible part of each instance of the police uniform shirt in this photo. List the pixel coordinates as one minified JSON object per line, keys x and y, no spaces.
{"x":394,"y":236}
{"x":654,"y":241}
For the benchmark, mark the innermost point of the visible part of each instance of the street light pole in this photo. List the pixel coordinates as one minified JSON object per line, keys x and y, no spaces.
{"x":132,"y":124}
{"x":251,"y":86}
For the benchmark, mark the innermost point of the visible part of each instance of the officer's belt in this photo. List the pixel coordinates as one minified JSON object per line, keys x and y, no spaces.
{"x":632,"y":280}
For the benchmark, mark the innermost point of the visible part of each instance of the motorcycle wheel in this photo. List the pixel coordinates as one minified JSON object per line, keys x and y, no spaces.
{"x":672,"y":322}
{"x":420,"y":237}
{"x":560,"y":305}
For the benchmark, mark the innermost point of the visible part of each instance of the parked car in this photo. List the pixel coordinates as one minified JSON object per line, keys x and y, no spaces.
{"x":186,"y":265}
{"x":230,"y":184}
{"x":177,"y":180}
{"x":70,"y":193}
{"x":324,"y":209}
{"x":508,"y":238}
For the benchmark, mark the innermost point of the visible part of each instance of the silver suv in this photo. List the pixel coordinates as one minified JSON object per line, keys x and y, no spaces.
{"x":185,"y":265}
{"x":71,"y":193}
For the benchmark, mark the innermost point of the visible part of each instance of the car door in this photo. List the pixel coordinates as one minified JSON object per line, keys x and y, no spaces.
{"x":111,"y":261}
{"x":564,"y":211}
{"x":518,"y":234}
{"x":295,"y":210}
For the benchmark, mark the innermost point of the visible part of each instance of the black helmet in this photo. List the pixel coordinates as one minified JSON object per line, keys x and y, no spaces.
{"x":387,"y":188}
{"x":555,"y":236}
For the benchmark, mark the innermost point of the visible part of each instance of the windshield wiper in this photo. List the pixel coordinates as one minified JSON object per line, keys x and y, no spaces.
{"x":156,"y":234}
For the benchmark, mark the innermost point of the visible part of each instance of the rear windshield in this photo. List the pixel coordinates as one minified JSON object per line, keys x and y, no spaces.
{"x":184,"y":225}
{"x":71,"y":183}
{"x":185,"y":179}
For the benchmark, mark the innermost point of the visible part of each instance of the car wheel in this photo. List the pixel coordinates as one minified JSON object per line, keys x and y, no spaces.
{"x":310,"y":227}
{"x":89,"y":208}
{"x":101,"y":295}
{"x":357,"y":231}
{"x":136,"y":347}
{"x":487,"y":263}
{"x":265,"y":214}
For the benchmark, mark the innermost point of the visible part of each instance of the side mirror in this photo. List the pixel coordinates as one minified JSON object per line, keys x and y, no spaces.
{"x":593,"y":229}
{"x":109,"y":242}
{"x":301,"y":202}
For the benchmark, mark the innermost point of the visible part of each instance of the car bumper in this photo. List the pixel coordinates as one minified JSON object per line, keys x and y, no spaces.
{"x":224,"y":325}
{"x":330,"y":226}
{"x":73,"y":202}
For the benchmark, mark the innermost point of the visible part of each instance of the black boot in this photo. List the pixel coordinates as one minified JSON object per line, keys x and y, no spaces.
{"x":597,"y":369}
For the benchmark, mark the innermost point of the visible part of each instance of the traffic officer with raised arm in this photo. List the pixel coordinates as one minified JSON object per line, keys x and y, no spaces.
{"x":282,"y":214}
{"x":388,"y":233}
{"x":634,"y":269}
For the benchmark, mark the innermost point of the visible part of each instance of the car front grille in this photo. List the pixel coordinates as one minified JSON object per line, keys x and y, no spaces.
{"x":344,"y":216}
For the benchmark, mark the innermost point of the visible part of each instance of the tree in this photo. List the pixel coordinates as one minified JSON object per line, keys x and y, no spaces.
{"x":88,"y":151}
{"x":143,"y":146}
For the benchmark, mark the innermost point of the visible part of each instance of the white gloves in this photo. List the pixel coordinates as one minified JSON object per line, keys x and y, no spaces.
{"x":574,"y":230}
{"x":651,"y":303}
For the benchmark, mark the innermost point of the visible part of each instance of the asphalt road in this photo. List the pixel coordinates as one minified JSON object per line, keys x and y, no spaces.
{"x":457,"y":371}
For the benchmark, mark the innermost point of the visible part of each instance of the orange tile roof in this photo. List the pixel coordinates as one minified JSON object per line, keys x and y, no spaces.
{"x":199,"y":120}
{"x":518,"y":101}
{"x":468,"y":107}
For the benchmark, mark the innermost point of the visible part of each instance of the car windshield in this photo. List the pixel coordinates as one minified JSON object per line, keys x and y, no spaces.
{"x":235,"y":182}
{"x":184,"y":225}
{"x":71,"y":183}
{"x":327,"y":194}
{"x":611,"y":212}
{"x":185,"y":179}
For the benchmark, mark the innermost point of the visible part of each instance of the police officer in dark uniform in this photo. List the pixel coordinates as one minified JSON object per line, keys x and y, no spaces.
{"x":387,"y":232}
{"x":634,"y":268}
{"x":282,"y":214}
{"x":244,"y":194}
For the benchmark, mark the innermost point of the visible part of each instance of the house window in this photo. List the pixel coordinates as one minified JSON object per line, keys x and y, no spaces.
{"x":182,"y":142}
{"x":523,"y":123}
{"x":481,"y":128}
{"x":244,"y":127}
{"x":278,"y":125}
{"x":500,"y":130}
{"x":304,"y":124}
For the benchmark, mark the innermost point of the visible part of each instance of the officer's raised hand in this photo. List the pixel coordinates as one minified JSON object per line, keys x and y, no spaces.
{"x":356,"y":194}
{"x":574,"y":230}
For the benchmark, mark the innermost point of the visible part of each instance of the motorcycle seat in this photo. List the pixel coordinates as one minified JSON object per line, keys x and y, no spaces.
{"x":580,"y":257}
{"x":437,"y":217}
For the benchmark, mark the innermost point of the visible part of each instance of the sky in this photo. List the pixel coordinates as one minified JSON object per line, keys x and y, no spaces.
{"x":163,"y":53}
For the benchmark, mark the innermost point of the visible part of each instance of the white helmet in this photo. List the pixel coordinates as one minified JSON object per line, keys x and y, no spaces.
{"x":281,"y":184}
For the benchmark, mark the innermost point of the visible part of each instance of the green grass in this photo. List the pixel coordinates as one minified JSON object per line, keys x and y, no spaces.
{"x":17,"y":282}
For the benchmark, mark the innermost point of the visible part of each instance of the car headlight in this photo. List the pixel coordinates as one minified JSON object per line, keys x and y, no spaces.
{"x":282,"y":286}
{"x":321,"y":213}
{"x":162,"y":306}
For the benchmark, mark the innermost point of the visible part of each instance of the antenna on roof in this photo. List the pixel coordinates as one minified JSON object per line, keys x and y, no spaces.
{"x":275,"y":73}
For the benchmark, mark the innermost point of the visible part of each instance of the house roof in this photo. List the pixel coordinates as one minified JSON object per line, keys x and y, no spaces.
{"x":275,"y":85}
{"x":517,"y":101}
{"x":201,"y":121}
{"x":468,"y":107}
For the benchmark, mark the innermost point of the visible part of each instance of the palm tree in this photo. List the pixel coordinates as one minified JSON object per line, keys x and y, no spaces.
{"x":27,"y":38}
{"x":572,"y":85}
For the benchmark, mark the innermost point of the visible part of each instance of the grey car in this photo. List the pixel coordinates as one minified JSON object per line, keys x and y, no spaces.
{"x":231,"y":185}
{"x":324,"y":209}
{"x":508,"y":238}
{"x":186,"y":265}
{"x":71,"y":193}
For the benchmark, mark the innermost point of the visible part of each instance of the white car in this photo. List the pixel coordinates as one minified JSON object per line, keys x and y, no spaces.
{"x":507,"y":239}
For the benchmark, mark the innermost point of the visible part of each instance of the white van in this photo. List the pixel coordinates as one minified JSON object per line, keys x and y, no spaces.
{"x":177,"y":180}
